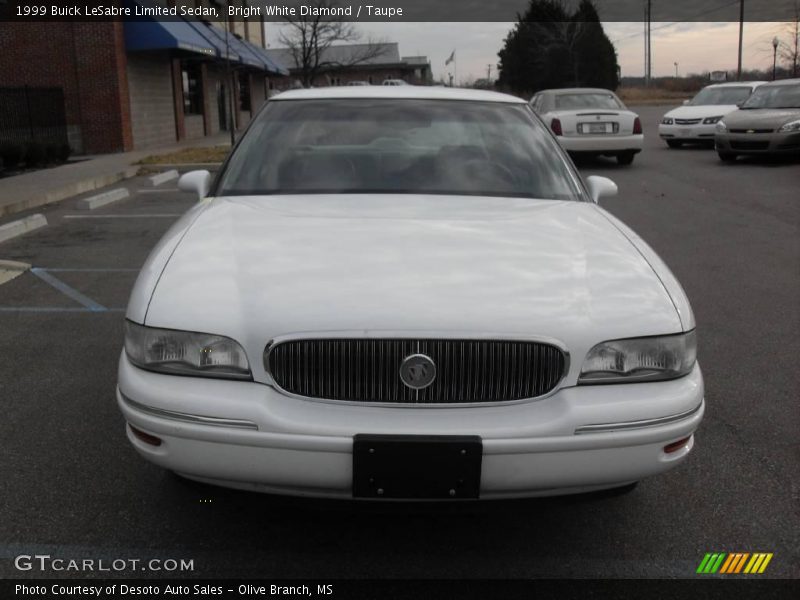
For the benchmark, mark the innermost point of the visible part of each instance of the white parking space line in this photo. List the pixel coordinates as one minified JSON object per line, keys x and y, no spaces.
{"x":159,"y":216}
{"x":161,"y":191}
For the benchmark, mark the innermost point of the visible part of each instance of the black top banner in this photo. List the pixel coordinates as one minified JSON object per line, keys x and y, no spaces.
{"x":388,"y":10}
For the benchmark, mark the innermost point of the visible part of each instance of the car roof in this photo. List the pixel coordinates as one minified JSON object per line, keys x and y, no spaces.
{"x":794,"y":81}
{"x":736,"y":84}
{"x":560,"y":91}
{"x":400,"y":91}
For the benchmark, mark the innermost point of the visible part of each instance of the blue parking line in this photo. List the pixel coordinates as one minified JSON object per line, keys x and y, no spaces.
{"x":62,"y":287}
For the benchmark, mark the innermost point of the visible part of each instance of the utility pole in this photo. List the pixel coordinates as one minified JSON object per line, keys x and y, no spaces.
{"x":489,"y":72}
{"x":648,"y":57}
{"x":741,"y":33}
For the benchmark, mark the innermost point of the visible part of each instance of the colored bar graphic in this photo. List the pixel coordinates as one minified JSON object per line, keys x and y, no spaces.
{"x":734,"y":563}
{"x":727,"y":564}
{"x":764,"y":564}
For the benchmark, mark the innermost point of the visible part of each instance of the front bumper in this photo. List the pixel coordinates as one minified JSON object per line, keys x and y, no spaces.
{"x":687,"y":133}
{"x":304,"y":447}
{"x":758,"y":143}
{"x":601,"y":144}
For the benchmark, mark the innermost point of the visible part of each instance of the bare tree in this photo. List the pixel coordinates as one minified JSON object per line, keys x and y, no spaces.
{"x":789,"y":51}
{"x":309,"y":40}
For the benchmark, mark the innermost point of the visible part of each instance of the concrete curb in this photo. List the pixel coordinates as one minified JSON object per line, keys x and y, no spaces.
{"x":163,"y":177}
{"x":99,"y":200}
{"x":9,"y":269}
{"x":15,"y":228}
{"x":67,"y":191}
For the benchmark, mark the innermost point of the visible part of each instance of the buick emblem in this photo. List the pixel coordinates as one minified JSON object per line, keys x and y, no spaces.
{"x":417,"y":371}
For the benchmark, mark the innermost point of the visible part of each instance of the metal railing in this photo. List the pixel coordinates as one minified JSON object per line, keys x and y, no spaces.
{"x":32,"y":114}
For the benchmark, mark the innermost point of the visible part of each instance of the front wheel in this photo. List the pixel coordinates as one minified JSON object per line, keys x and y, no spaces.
{"x":625,"y":158}
{"x":674,"y":143}
{"x":727,"y":157}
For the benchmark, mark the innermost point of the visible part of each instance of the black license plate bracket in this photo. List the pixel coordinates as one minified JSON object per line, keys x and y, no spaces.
{"x":417,"y":466}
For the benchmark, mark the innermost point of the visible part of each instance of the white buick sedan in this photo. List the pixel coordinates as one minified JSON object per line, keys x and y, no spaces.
{"x":407,"y":293}
{"x":591,"y":121}
{"x":697,"y":119}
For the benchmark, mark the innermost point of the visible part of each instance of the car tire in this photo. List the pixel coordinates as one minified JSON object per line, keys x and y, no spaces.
{"x":674,"y":143}
{"x":625,"y":158}
{"x":727,"y":157}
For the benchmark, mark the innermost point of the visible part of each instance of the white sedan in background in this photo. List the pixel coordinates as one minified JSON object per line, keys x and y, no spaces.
{"x":407,"y":293}
{"x":591,"y":121}
{"x":697,"y":119}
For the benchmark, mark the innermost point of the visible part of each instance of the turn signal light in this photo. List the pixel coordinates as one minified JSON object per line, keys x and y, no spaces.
{"x":675,"y":446}
{"x":637,"y":126}
{"x":145,"y":437}
{"x":555,"y":125}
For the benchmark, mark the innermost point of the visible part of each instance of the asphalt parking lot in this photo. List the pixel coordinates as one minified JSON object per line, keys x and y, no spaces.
{"x":73,"y":487}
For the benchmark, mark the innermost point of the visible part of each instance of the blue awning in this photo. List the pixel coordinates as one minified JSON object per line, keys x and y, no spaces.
{"x":148,"y":33}
{"x":242,"y":51}
{"x":214,"y":37}
{"x":274,"y":66}
{"x":239,"y":51}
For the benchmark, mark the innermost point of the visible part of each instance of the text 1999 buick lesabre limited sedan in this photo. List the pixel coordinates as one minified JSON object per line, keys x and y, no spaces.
{"x":407,"y":292}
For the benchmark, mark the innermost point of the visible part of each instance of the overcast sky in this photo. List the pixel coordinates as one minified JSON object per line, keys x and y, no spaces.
{"x":696,"y":47}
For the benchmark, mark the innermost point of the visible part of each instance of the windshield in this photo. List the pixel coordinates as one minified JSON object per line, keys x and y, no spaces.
{"x":398,"y":146}
{"x":582,"y":100}
{"x":775,"y":96}
{"x":721,"y":95}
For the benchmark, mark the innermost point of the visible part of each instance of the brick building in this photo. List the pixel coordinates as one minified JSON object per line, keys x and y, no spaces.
{"x":345,"y":63}
{"x":143,"y":82}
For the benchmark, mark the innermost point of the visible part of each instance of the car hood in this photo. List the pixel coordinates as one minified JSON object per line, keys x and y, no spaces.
{"x":761,"y":118}
{"x":701,"y":111}
{"x":257,"y":268}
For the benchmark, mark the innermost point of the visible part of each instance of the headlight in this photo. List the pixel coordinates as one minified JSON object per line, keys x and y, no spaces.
{"x":667,"y":121}
{"x":721,"y":127}
{"x":790,"y":126}
{"x":711,"y":120}
{"x":640,"y":359}
{"x":185,"y":352}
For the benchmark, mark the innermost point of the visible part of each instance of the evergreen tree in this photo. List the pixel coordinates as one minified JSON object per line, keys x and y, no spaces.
{"x":550,"y":48}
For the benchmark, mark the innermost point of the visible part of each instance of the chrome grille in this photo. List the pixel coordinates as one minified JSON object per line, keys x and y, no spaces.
{"x":687,"y":121}
{"x":750,"y":130}
{"x":367,"y":370}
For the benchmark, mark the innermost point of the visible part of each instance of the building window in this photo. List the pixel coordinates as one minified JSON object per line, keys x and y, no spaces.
{"x":244,"y":92}
{"x":192,"y":89}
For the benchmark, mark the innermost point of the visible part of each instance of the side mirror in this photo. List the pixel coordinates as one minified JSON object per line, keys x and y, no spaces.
{"x":685,"y":102}
{"x":198,"y":182}
{"x":601,"y":187}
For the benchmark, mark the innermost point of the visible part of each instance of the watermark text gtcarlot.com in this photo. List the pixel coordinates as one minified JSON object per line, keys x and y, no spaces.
{"x":46,"y":562}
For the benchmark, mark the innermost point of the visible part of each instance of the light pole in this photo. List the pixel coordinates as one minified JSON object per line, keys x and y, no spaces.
{"x":775,"y":43}
{"x":676,"y":70}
